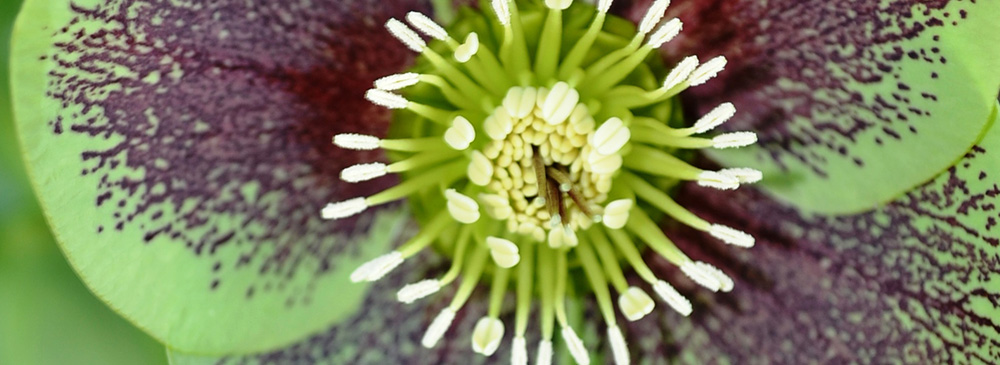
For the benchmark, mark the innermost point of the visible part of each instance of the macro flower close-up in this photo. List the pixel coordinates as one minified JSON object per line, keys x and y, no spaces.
{"x":524,"y":181}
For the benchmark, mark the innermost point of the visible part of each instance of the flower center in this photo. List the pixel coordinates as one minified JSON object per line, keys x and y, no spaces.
{"x":563,"y":135}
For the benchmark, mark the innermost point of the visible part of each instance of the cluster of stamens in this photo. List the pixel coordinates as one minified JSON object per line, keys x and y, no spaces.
{"x":552,"y":151}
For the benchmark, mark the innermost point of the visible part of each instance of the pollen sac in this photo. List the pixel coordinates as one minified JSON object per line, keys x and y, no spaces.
{"x":554,"y":146}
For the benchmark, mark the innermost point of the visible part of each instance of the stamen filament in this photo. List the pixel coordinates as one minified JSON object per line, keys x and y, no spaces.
{"x":426,"y":236}
{"x":471,"y":277}
{"x":464,"y":236}
{"x":608,"y":260}
{"x":548,"y":46}
{"x":575,"y":57}
{"x":560,"y":288}
{"x":641,"y":225}
{"x":422,"y":159}
{"x":656,"y":162}
{"x":501,"y":277}
{"x":631,"y":253}
{"x":525,"y":279}
{"x":546,"y":290}
{"x":460,"y":99}
{"x":663,"y":202}
{"x":444,"y":174}
{"x":597,"y":281}
{"x":412,"y":144}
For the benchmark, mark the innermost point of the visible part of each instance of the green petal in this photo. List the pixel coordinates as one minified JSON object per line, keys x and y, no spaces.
{"x":915,"y":281}
{"x":854,"y":103}
{"x":182,"y":155}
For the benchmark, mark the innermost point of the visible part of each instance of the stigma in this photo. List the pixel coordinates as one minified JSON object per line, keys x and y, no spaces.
{"x":545,"y":157}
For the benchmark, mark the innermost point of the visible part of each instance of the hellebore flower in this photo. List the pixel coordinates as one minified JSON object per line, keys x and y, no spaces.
{"x":182,"y":153}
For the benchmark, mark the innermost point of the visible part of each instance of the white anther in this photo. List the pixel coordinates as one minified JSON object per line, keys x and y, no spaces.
{"x":504,"y":252}
{"x":465,"y":51}
{"x":502,"y":10}
{"x":520,"y":101}
{"x":406,"y":35}
{"x":745,"y":175}
{"x":438,"y":327}
{"x":618,"y":346}
{"x":544,"y":356}
{"x":714,"y":118}
{"x":604,"y":5}
{"x":486,"y":336}
{"x":673,"y":298}
{"x":377,"y":267}
{"x":680,"y":72}
{"x":731,"y":236}
{"x":610,"y":137}
{"x":461,"y":207}
{"x":700,"y":275}
{"x":480,"y":169}
{"x":519,"y":351}
{"x":575,"y":346}
{"x":604,"y":164}
{"x":665,"y":33}
{"x":725,"y":282}
{"x":411,"y":292}
{"x":498,"y":125}
{"x":397,"y":81}
{"x":559,"y":103}
{"x":354,"y":141}
{"x":363,"y":172}
{"x":460,"y":134}
{"x":616,"y":213}
{"x":426,"y":26}
{"x":635,"y":303}
{"x":707,"y":71}
{"x":344,"y":209}
{"x":653,"y":15}
{"x":558,"y":4}
{"x":561,"y":236}
{"x":716,"y":180}
{"x":386,"y":99}
{"x":497,"y":206}
{"x":734,"y":140}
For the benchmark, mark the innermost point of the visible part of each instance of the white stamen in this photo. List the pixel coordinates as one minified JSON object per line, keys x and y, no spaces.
{"x":700,"y":275}
{"x":377,"y":267}
{"x":618,"y":346}
{"x":499,"y":124}
{"x":386,"y":99}
{"x":559,"y":103}
{"x":502,"y":10}
{"x":734,"y":140}
{"x":653,"y":16}
{"x":610,"y":137}
{"x":480,"y":169}
{"x":344,"y":209}
{"x":354,"y":141}
{"x":520,"y":101}
{"x":363,"y":172}
{"x":406,"y":35}
{"x":616,"y":213}
{"x":558,"y":4}
{"x":426,"y":26}
{"x":461,"y":207}
{"x":680,"y":72}
{"x":604,"y":164}
{"x":460,"y":134}
{"x":635,"y":303}
{"x":465,"y":51}
{"x":519,"y":351}
{"x":562,"y":236}
{"x":504,"y":252}
{"x":486,"y":336}
{"x":731,"y":236}
{"x":397,"y":81}
{"x":673,"y":298}
{"x":544,"y":353}
{"x":707,"y":71}
{"x":725,"y":282}
{"x":411,"y":292}
{"x":714,"y":118}
{"x":716,"y":180}
{"x":745,"y":175}
{"x":665,"y":33}
{"x":575,"y":346}
{"x":438,"y":327}
{"x":604,"y":5}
